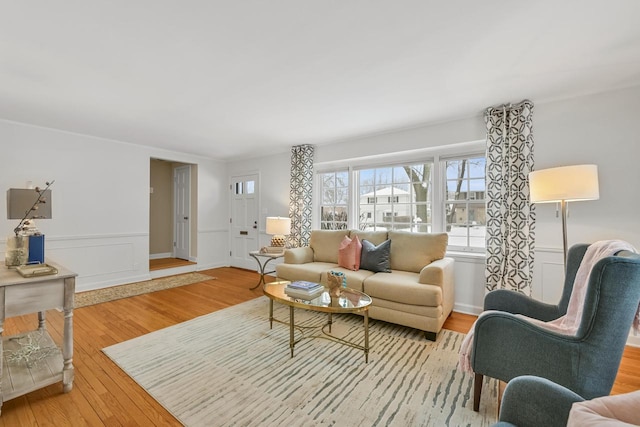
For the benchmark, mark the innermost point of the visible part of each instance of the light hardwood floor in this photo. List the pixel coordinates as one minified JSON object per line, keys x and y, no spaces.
{"x":162,"y":263}
{"x":105,"y":395}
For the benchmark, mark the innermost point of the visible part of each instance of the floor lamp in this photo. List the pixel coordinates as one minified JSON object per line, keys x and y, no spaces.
{"x":564,"y":184}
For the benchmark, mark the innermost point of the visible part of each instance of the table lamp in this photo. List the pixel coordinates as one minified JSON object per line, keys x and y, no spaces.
{"x":564,"y":184}
{"x":278,"y":227}
{"x":27,"y":246}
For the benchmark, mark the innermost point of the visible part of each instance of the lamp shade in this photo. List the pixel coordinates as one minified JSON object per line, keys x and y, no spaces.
{"x":568,"y":183}
{"x":278,"y":225}
{"x":21,"y":200}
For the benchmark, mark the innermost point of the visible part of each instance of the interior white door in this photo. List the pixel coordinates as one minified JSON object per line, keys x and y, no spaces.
{"x":182,"y":203}
{"x":244,"y":220}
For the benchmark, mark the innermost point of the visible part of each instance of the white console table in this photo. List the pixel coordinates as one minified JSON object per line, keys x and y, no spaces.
{"x":19,"y":296}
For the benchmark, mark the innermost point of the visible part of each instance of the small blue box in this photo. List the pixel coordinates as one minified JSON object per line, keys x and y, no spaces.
{"x":36,"y":249}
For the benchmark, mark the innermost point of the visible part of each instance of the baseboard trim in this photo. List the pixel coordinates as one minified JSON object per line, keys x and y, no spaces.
{"x":161,"y":256}
{"x":114,"y":282}
{"x":467,"y":309}
{"x":172,"y":271}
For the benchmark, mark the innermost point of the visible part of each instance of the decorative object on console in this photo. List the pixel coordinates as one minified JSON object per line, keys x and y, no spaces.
{"x":27,"y":244}
{"x":564,"y":184}
{"x":278,"y":227}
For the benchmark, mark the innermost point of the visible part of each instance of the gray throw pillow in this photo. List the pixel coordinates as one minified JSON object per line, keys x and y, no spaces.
{"x":376,"y":258}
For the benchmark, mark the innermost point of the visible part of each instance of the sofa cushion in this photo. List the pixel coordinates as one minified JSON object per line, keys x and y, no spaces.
{"x":412,"y":251}
{"x":376,"y":258}
{"x":349,"y":253}
{"x":403,"y":287}
{"x":325,"y":244}
{"x":310,"y":272}
{"x":354,"y":278}
{"x":375,"y":237}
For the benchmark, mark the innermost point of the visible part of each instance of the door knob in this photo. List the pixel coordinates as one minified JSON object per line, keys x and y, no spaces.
{"x":186,"y":217}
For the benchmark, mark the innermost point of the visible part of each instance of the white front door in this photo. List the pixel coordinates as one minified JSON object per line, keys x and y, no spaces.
{"x":182,"y":203}
{"x":244,"y":220}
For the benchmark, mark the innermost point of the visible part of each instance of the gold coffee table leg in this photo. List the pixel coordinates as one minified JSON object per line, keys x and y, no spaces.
{"x":291,"y":340}
{"x":366,"y":336}
{"x":270,"y":314}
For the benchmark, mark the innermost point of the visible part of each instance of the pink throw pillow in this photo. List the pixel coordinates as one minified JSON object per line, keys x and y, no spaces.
{"x":349,"y":253}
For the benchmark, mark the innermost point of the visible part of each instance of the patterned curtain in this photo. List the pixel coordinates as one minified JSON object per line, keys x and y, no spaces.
{"x":510,"y":216}
{"x":300,"y":195}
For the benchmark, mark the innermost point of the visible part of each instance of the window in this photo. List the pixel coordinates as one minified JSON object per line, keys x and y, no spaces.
{"x":442,"y":192}
{"x":405,"y":192}
{"x":334,"y":199}
{"x":464,"y":202}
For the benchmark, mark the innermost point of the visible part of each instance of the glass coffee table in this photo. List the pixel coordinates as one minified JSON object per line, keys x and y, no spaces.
{"x":349,"y":301}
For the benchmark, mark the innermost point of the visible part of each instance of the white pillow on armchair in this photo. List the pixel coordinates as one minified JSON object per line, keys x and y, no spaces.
{"x":607,"y":411}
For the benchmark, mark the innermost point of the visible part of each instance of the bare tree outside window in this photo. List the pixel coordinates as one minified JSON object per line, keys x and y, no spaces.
{"x":334,"y":190}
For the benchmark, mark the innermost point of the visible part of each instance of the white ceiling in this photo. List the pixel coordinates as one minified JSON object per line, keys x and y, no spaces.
{"x":227,"y":79}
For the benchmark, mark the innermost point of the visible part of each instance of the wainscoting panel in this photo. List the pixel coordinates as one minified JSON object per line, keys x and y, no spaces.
{"x":104,"y":260}
{"x":548,"y":275}
{"x":213,"y":249}
{"x":469,"y":282}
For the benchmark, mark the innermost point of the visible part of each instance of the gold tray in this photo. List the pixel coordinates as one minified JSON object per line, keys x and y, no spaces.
{"x":35,"y":270}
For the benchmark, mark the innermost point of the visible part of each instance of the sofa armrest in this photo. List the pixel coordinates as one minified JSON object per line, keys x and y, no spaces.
{"x":437,"y":273}
{"x":440,"y":273}
{"x":298,"y":255}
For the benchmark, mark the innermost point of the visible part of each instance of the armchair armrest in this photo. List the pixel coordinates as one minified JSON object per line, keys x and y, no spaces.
{"x":530,"y":401}
{"x":506,"y":346}
{"x":517,"y":303}
{"x":298,"y":255}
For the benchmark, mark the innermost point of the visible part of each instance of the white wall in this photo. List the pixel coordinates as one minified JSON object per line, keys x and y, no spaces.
{"x":100,"y":200}
{"x":598,"y":129}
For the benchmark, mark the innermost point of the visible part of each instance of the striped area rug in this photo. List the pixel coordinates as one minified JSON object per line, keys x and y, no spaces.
{"x":228,"y":368}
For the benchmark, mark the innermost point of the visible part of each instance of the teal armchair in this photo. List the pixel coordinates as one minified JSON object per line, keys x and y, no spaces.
{"x":505,"y":346}
{"x":530,"y":401}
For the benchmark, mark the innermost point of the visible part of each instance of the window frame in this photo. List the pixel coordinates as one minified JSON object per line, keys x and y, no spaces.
{"x":437,"y":155}
{"x":319,"y":200}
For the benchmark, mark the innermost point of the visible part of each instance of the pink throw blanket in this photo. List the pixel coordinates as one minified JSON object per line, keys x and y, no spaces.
{"x":569,"y":323}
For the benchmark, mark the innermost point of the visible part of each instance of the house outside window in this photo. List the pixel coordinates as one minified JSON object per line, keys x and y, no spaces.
{"x":395,"y":197}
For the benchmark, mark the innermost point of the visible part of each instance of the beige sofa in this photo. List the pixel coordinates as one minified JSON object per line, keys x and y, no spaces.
{"x":418,"y":292}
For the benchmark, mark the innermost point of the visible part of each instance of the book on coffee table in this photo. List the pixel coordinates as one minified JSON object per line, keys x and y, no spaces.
{"x":300,"y":294}
{"x":304,"y":290}
{"x":304,"y":285}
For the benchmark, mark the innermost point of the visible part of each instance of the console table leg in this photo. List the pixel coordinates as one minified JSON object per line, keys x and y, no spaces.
{"x":41,"y":320}
{"x":67,"y":344}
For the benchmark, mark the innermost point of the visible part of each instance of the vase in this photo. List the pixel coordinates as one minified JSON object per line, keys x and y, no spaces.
{"x":17,"y":251}
{"x":336,"y":281}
